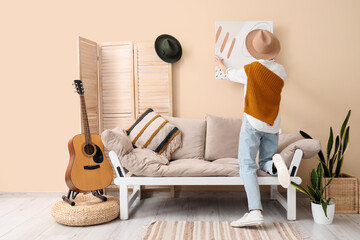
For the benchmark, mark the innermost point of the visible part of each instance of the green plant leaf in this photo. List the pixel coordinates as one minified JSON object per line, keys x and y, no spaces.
{"x":320,"y":174}
{"x":319,"y":194}
{"x":304,"y":134}
{"x":330,"y":144}
{"x":342,"y":149}
{"x":338,"y":167}
{"x":346,"y":140}
{"x":343,"y":126}
{"x":313,"y":194}
{"x":314,"y":178}
{"x":338,"y":160}
{"x":327,"y":172}
{"x":300,"y":188}
{"x":322,"y":160}
{"x":331,"y":165}
{"x":320,"y":154}
{"x":324,"y":206}
{"x":328,"y":200}
{"x":334,"y":156}
{"x":337,"y":140}
{"x":327,"y":184}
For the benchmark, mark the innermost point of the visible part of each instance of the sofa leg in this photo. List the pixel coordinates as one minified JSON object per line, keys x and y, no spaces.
{"x":291,"y":203}
{"x":124,"y":205}
{"x":172,"y":191}
{"x":273,"y":190}
{"x":137,"y":188}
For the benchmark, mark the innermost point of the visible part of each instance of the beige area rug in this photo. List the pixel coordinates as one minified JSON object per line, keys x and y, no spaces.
{"x":199,"y":230}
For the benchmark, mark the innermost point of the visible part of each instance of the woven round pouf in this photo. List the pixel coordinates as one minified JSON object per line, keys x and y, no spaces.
{"x":88,"y":210}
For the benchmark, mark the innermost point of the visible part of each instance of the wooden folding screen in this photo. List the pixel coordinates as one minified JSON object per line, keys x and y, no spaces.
{"x":153,"y":86}
{"x":116,"y":85}
{"x":121,"y":80}
{"x":88,"y":68}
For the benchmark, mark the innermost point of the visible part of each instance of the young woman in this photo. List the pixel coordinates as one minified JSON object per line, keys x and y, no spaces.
{"x":263,"y":80}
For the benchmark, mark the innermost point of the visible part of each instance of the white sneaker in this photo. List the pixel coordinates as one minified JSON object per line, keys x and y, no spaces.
{"x":248,"y":220}
{"x":282,"y":171}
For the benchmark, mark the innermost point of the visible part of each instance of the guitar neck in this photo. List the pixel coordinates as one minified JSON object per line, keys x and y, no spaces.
{"x":85,"y":120}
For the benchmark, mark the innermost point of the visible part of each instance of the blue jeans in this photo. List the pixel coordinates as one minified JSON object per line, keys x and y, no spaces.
{"x":251,"y":141}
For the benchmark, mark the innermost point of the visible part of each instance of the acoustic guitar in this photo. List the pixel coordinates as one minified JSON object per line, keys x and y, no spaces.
{"x":88,"y":168}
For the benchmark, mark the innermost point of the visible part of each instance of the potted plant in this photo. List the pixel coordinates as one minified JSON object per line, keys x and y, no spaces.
{"x":323,"y":210}
{"x":344,"y":187}
{"x":337,"y":156}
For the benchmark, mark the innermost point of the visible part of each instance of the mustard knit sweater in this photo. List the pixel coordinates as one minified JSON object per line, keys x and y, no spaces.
{"x":263,"y":93}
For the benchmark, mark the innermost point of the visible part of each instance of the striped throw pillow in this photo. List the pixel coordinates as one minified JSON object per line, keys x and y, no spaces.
{"x":153,"y":132}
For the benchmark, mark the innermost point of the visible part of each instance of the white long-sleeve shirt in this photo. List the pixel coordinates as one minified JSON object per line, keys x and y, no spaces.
{"x":239,"y":76}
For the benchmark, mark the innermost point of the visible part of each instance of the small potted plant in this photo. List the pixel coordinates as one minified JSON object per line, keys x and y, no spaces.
{"x":323,"y":210}
{"x":344,"y":187}
{"x":337,"y":156}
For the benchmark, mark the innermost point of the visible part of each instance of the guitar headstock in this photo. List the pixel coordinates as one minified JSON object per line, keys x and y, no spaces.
{"x":79,"y":87}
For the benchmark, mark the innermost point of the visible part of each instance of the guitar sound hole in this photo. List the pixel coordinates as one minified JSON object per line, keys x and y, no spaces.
{"x":89,"y":149}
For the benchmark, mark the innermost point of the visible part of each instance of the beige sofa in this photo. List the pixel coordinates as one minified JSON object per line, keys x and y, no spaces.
{"x":208,"y":156}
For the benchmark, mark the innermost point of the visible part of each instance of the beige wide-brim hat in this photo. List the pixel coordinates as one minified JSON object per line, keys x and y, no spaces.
{"x":262,"y":44}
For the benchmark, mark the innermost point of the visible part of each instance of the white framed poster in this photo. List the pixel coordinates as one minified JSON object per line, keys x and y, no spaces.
{"x":230,"y":42}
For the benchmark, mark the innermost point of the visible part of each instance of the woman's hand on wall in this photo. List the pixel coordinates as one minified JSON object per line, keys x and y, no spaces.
{"x":219,"y":64}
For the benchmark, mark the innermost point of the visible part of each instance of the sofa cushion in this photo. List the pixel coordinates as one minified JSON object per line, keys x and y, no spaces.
{"x":310,"y":148}
{"x":116,"y":139}
{"x":193,"y":168}
{"x":234,"y":162}
{"x":286,"y":139}
{"x":153,"y":132}
{"x":222,"y":137}
{"x":231,"y":161}
{"x":189,"y":168}
{"x":193,"y":137}
{"x":144,"y":162}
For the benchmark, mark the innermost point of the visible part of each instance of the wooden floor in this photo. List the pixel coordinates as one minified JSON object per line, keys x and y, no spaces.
{"x":27,"y":216}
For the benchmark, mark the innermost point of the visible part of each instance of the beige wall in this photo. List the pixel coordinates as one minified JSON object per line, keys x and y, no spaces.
{"x":39,"y":111}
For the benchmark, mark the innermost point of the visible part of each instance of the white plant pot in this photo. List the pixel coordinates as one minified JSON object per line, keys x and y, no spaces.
{"x":319,"y":215}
